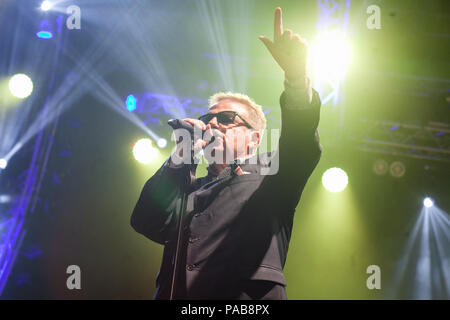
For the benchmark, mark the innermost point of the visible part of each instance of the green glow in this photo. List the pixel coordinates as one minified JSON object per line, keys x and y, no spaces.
{"x":329,"y":249}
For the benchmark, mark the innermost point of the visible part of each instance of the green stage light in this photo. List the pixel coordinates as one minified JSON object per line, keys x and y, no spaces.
{"x":144,"y":152}
{"x":334,"y":180}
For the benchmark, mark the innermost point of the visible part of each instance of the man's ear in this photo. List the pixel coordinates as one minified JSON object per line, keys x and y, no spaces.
{"x":255,"y":139}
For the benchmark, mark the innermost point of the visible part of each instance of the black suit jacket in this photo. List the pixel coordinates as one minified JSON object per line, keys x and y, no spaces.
{"x":237,"y":227}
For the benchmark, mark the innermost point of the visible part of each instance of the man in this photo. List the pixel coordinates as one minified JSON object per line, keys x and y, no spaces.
{"x":237,"y":222}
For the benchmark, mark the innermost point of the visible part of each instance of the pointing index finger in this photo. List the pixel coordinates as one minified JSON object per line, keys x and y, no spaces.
{"x":278,"y":24}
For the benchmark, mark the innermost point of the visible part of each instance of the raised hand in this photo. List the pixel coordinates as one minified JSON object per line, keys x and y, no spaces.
{"x":288,"y":49}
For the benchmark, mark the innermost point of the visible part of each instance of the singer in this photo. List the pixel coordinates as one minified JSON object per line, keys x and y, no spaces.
{"x":226,"y":235}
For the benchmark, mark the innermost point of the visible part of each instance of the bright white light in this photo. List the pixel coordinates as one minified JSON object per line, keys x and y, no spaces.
{"x":4,"y":198}
{"x":330,"y":56}
{"x":144,"y":152}
{"x":46,"y":5}
{"x":20,"y":86}
{"x":162,"y":143}
{"x":3,"y":163}
{"x":334,"y":180}
{"x":427,"y":202}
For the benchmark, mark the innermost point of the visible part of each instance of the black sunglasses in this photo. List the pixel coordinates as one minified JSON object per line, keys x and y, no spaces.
{"x":224,"y":117}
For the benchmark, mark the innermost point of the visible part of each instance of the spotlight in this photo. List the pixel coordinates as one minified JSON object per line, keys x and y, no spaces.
{"x":428,"y":202}
{"x":5,"y":198}
{"x":45,"y":30}
{"x":397,"y":169}
{"x":3,"y":163}
{"x":334,"y":180}
{"x":131,"y":103}
{"x":20,"y":86}
{"x":330,"y":56}
{"x":46,"y":5}
{"x":380,"y":167}
{"x":144,"y":152}
{"x":162,"y":143}
{"x":44,"y":34}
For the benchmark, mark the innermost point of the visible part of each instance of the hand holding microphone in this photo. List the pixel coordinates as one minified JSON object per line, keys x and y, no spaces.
{"x":180,"y":124}
{"x":192,"y":131}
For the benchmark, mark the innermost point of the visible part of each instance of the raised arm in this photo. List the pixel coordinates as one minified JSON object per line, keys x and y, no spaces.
{"x":299,"y":149}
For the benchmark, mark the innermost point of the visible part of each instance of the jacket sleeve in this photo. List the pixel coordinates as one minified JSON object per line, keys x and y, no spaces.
{"x":299,"y":149}
{"x":155,"y":213}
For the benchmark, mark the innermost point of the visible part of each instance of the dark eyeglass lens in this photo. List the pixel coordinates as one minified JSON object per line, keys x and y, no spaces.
{"x":222,"y":117}
{"x":226,"y":117}
{"x":205,"y":118}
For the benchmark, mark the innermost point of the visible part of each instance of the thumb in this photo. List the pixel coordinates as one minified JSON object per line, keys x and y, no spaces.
{"x":267,"y":43}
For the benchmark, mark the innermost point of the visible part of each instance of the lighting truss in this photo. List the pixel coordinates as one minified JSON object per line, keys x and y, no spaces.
{"x":430,"y":141}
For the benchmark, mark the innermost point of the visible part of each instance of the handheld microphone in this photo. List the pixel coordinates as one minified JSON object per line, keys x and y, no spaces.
{"x":180,"y":124}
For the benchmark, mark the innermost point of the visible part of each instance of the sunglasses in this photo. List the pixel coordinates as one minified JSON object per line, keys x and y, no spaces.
{"x":224,"y":117}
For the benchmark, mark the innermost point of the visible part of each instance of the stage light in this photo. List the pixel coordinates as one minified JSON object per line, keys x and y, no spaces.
{"x":428,"y":202}
{"x":3,"y":163}
{"x":20,"y":86}
{"x":5,"y":198}
{"x":380,"y":167}
{"x":162,"y":143}
{"x":334,"y":179}
{"x":144,"y":152}
{"x":46,"y":5}
{"x":423,"y":269}
{"x":45,"y":30}
{"x":330,"y":56}
{"x":131,"y":102}
{"x":397,"y":169}
{"x":44,"y":34}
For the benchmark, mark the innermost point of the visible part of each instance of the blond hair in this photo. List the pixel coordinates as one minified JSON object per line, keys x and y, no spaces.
{"x":256,"y":115}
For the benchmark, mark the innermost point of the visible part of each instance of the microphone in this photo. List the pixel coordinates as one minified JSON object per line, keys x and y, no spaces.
{"x":180,"y":124}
